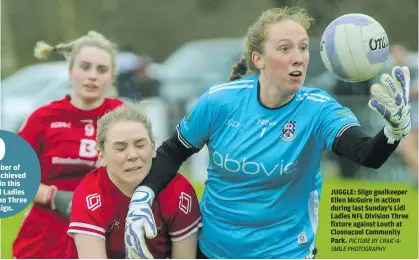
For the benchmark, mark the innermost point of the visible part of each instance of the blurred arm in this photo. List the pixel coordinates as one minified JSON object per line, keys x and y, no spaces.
{"x":43,"y":194}
{"x":185,"y":248}
{"x":56,"y":199}
{"x":32,"y":132}
{"x":409,"y":151}
{"x":414,"y":91}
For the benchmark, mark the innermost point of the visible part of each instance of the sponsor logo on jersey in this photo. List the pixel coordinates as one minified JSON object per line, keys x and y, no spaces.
{"x":188,"y":116}
{"x":60,"y":125}
{"x":340,"y":113}
{"x":252,"y":167}
{"x":288,"y":132}
{"x":302,"y":238}
{"x":185,"y":203}
{"x":93,"y":201}
{"x":265,"y":122}
{"x":233,"y":123}
{"x":348,"y":117}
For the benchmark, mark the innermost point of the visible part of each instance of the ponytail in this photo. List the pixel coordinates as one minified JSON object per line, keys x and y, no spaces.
{"x":43,"y":50}
{"x":239,"y":69}
{"x":69,"y":50}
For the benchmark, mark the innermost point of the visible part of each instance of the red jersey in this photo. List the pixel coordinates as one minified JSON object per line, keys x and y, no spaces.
{"x":64,"y":138}
{"x":100,"y":209}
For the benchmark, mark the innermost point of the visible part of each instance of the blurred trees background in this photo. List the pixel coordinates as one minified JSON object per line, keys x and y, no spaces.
{"x":158,"y":27}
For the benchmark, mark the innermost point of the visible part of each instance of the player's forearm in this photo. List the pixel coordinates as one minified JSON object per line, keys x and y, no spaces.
{"x":170,"y":156}
{"x":90,"y":247}
{"x":54,"y":198}
{"x":355,"y":145}
{"x":409,"y":150}
{"x":43,"y":194}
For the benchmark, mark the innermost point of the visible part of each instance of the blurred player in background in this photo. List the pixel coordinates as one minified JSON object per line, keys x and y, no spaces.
{"x":62,"y":134}
{"x":265,"y":135}
{"x":126,"y":147}
{"x":409,"y":146}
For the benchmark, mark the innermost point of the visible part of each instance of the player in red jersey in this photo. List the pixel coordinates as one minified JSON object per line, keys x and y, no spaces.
{"x":62,"y":134}
{"x":100,"y":202}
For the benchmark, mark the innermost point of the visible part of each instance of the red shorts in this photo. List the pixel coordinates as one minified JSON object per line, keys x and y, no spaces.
{"x":43,"y":235}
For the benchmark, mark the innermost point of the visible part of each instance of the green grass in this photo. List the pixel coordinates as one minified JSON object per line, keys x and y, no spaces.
{"x":407,"y":248}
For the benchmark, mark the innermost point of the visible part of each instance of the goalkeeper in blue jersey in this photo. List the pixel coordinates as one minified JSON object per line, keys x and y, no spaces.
{"x":265,"y":135}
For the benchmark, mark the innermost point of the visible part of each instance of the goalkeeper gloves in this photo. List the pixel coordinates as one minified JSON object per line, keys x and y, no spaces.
{"x":60,"y":200}
{"x":391,"y":101}
{"x":139,"y":224}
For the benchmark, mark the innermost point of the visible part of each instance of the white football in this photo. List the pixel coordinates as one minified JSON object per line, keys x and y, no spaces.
{"x":354,"y":47}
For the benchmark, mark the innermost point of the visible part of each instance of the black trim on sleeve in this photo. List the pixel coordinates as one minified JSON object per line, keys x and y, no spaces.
{"x":170,"y":156}
{"x":355,"y":145}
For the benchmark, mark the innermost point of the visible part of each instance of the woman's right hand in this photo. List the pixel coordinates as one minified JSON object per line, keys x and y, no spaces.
{"x":57,"y":199}
{"x":139,"y":224}
{"x":62,"y":202}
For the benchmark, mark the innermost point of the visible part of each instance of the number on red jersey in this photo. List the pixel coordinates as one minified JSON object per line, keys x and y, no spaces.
{"x":87,"y":148}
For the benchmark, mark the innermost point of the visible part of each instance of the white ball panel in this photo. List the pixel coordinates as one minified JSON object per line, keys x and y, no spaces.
{"x":358,"y":53}
{"x":343,"y":52}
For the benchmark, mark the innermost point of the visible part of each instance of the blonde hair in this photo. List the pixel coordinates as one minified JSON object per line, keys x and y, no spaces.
{"x":256,"y":35}
{"x":71,"y":49}
{"x":134,"y":112}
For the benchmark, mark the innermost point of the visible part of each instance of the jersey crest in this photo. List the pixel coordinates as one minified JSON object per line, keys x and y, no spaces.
{"x":288,"y":132}
{"x":93,"y":201}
